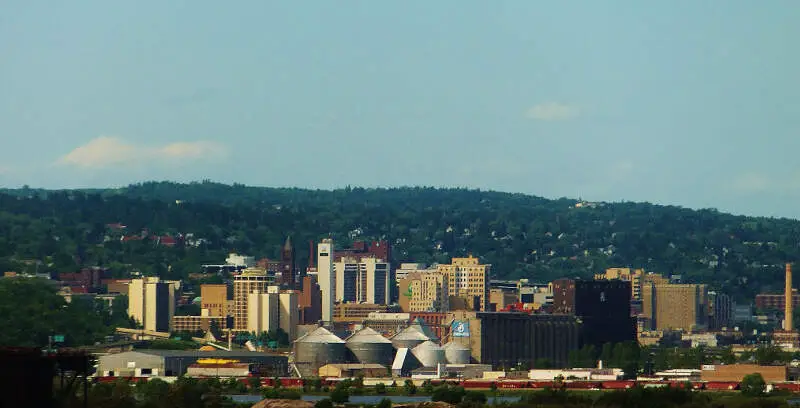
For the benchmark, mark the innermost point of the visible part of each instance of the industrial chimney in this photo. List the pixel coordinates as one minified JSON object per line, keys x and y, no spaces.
{"x":788,"y":309}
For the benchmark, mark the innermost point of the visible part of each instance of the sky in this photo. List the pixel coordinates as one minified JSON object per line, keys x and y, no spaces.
{"x":682,"y":102}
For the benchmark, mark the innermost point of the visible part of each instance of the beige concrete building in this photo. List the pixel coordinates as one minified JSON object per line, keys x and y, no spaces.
{"x":289,"y":313}
{"x":424,"y":292}
{"x":501,"y":298}
{"x":675,"y":306}
{"x":263,"y":310}
{"x":215,"y":299}
{"x":467,"y":283}
{"x":249,"y":281}
{"x":151,"y":302}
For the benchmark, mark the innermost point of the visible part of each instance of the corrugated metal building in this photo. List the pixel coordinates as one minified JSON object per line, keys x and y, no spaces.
{"x":169,"y":363}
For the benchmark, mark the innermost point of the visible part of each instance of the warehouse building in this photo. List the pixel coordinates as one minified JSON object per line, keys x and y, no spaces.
{"x":174,"y":363}
{"x":506,"y":339}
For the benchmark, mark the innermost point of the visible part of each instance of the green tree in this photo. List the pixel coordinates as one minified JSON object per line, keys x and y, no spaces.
{"x":340,"y":395}
{"x":384,"y":403}
{"x":753,"y":385}
{"x":409,"y":388}
{"x":324,"y":403}
{"x":254,"y":383}
{"x":380,"y":388}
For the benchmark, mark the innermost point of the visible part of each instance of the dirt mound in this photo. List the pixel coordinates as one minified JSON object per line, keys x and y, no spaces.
{"x":283,"y":403}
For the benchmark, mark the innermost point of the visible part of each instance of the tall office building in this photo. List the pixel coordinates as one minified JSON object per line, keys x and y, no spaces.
{"x":675,"y":306}
{"x":467,"y":283}
{"x":151,"y":302}
{"x":289,"y":313}
{"x":603,"y":306}
{"x":214,"y":298}
{"x":364,"y":280}
{"x":326,"y":277}
{"x":249,"y":281}
{"x":263,"y":310}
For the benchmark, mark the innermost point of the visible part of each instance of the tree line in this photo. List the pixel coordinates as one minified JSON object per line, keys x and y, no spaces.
{"x":522,"y":236}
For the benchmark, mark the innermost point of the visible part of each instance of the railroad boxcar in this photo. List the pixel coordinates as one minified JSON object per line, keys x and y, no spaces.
{"x":473,"y":384}
{"x":791,"y":387}
{"x":542,"y":384}
{"x":721,"y":385}
{"x":619,"y":385}
{"x":583,"y":385}
{"x":512,"y":384}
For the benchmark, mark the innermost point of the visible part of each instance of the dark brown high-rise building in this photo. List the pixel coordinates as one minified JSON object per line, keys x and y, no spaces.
{"x":287,"y":265}
{"x":310,"y":301}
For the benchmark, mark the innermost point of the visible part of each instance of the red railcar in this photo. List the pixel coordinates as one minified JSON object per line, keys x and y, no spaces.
{"x":478,"y":384}
{"x":513,"y":384}
{"x":618,"y":385}
{"x":722,"y":385}
{"x":791,"y":387}
{"x":542,"y":384}
{"x":583,"y":385}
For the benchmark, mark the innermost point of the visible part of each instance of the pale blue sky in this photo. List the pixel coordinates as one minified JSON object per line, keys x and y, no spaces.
{"x":690,"y":102}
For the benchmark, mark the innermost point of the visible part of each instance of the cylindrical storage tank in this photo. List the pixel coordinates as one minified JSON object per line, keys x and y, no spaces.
{"x":409,"y":337}
{"x":370,"y":347}
{"x":320,"y":347}
{"x":457,"y":353}
{"x":429,"y":354}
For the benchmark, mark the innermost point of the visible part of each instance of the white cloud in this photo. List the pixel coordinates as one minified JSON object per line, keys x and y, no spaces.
{"x":552,"y":111}
{"x":108,"y":151}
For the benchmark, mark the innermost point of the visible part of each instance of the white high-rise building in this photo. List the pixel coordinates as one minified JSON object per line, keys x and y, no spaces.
{"x":364,"y":280}
{"x":289,"y":314}
{"x":326,"y":277}
{"x":151,"y":302}
{"x":263,"y":310}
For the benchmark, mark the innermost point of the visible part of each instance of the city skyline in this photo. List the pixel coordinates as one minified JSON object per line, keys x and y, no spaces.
{"x":679,"y":103}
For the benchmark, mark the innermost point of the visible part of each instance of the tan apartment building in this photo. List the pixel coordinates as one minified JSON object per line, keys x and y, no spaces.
{"x":467,"y":283}
{"x":249,"y":281}
{"x":675,"y":306}
{"x":215,"y":299}
{"x":424,"y":292}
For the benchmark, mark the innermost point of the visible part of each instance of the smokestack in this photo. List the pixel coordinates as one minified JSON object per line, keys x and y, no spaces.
{"x":788,"y":310}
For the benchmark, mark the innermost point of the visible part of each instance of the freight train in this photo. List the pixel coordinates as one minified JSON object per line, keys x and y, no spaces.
{"x":521,"y":384}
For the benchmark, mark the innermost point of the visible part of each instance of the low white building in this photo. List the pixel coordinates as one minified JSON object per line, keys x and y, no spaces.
{"x":588,"y":374}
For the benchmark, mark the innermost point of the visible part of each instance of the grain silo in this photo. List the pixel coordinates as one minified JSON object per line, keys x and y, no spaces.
{"x":370,"y":347}
{"x":411,"y":336}
{"x":320,"y":347}
{"x":429,"y":354}
{"x":457,"y":353}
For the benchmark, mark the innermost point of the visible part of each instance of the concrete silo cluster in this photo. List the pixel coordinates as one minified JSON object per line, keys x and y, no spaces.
{"x":414,"y":346}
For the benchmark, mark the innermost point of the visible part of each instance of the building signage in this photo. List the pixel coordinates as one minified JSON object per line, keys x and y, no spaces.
{"x":459,"y":328}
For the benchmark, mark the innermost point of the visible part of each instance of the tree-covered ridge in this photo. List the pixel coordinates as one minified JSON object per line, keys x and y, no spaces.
{"x":522,"y":236}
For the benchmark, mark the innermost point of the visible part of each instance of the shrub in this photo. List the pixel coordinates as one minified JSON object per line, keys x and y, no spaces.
{"x":340,"y":396}
{"x":380,"y":388}
{"x":384,"y":403}
{"x":324,"y":403}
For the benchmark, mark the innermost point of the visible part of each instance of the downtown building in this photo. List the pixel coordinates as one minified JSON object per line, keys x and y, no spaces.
{"x":151,"y":303}
{"x":603,"y":308}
